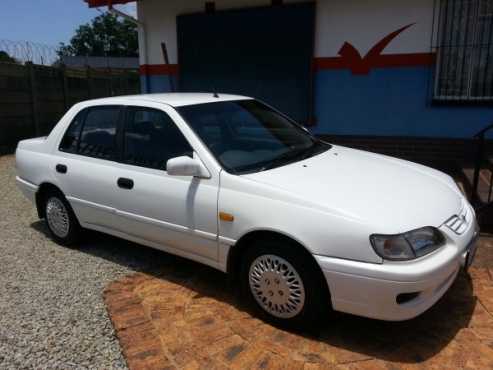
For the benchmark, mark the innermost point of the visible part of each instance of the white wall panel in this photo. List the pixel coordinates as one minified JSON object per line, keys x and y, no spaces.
{"x":360,"y":22}
{"x":364,"y":23}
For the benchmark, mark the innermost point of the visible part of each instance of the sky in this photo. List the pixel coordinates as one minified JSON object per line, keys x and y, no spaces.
{"x":45,"y":21}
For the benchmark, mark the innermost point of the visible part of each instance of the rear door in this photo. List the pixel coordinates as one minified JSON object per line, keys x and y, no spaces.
{"x":86,"y":165}
{"x":177,"y":213}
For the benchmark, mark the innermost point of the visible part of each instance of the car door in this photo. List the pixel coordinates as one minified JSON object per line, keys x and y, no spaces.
{"x":85,"y":166}
{"x":176,"y":213}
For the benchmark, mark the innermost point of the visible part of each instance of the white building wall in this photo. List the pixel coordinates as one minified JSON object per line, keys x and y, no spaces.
{"x":360,"y":22}
{"x":364,"y":23}
{"x":159,"y":18}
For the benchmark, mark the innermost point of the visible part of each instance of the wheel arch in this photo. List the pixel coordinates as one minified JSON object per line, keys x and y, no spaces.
{"x":45,"y":188}
{"x":238,"y":249}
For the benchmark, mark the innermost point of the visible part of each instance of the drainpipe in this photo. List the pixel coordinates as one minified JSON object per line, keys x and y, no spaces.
{"x":123,"y":15}
{"x":142,"y":31}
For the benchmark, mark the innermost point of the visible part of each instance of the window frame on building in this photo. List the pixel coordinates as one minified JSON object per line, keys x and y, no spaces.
{"x":464,"y":51}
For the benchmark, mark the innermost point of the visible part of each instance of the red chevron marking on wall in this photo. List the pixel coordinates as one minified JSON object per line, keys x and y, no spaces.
{"x":352,"y":59}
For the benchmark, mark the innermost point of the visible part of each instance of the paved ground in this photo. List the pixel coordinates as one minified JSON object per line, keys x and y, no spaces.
{"x":186,"y":318}
{"x":173,"y":313}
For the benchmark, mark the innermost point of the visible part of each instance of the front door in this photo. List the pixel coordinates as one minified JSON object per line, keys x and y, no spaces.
{"x":177,"y":213}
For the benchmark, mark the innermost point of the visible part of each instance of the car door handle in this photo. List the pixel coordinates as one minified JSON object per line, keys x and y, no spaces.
{"x":125,"y":183}
{"x":61,"y":168}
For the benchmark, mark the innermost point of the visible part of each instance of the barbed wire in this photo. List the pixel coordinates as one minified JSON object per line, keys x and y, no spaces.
{"x":28,"y":51}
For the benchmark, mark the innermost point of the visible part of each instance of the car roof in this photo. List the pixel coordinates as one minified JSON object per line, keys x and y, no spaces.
{"x":173,"y":99}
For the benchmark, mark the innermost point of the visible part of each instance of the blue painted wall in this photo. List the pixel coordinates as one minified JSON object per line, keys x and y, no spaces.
{"x":389,"y":102}
{"x":386,"y":102}
{"x":155,"y":84}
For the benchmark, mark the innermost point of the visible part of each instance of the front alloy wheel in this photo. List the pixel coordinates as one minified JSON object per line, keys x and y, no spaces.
{"x":276,"y":286}
{"x":284,"y":283}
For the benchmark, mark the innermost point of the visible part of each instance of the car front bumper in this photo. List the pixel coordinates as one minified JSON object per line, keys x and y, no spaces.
{"x":371,"y":290}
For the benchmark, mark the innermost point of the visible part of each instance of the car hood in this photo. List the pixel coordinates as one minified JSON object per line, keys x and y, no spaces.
{"x":392,"y":195}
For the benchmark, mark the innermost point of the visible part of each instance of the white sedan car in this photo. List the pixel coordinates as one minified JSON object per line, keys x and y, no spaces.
{"x":230,"y":182}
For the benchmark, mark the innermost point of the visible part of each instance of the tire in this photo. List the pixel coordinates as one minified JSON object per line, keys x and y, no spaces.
{"x":284,"y":284}
{"x":60,"y":219}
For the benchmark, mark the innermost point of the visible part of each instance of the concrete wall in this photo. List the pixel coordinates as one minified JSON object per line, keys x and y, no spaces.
{"x":387,"y":95}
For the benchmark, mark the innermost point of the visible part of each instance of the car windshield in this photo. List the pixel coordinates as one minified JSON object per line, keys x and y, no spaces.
{"x":247,"y":136}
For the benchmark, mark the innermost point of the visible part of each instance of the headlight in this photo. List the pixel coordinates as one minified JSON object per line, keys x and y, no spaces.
{"x":407,"y":246}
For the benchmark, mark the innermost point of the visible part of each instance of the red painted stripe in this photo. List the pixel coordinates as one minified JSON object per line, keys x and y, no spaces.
{"x":382,"y":61}
{"x":159,"y":69}
{"x":404,"y":60}
{"x":330,"y":63}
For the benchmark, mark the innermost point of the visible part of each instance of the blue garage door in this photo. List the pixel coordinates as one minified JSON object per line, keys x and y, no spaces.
{"x":262,"y":52}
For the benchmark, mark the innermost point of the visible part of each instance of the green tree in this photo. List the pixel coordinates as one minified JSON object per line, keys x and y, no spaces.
{"x":5,"y":57}
{"x":105,"y":35}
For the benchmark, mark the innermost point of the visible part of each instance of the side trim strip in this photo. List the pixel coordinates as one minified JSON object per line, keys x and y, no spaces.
{"x":161,"y":247}
{"x":166,"y":225}
{"x":91,"y":204}
{"x":147,"y":220}
{"x":32,"y":187}
{"x":227,"y":241}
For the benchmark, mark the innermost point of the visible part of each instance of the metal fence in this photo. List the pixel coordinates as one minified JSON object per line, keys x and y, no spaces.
{"x":464,"y":49}
{"x":34,"y":97}
{"x":27,"y":51}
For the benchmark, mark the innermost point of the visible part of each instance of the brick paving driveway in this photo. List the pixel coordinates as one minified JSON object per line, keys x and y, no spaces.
{"x":187,"y":318}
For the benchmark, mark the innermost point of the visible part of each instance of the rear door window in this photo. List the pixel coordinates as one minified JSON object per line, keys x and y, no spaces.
{"x":98,"y":137}
{"x":70,"y":140}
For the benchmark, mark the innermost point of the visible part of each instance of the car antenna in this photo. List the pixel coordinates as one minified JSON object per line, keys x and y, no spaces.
{"x":214,"y":91}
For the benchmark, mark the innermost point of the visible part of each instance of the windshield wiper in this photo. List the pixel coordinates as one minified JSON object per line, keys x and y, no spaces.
{"x":296,"y":154}
{"x":316,"y":148}
{"x":284,"y":158}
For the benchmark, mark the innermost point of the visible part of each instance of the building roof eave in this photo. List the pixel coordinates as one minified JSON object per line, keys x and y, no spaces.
{"x":98,"y":3}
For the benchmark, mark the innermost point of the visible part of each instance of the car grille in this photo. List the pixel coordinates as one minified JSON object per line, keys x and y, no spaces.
{"x":459,"y":223}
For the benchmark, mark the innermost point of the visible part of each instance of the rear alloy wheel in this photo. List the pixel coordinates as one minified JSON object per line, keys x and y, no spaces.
{"x":61,"y":220}
{"x":57,"y":217}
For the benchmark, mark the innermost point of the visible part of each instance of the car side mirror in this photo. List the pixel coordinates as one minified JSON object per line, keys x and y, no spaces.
{"x":186,"y":166}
